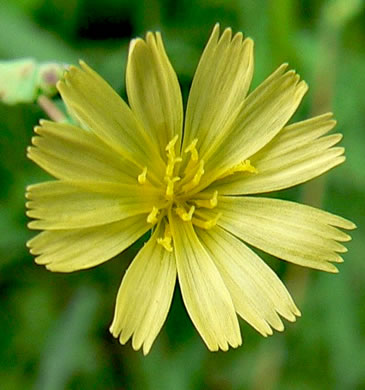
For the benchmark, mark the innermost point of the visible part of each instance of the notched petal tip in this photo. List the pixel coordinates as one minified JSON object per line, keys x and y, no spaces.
{"x":151,"y":37}
{"x":112,"y":329}
{"x":296,"y":311}
{"x":216,"y":27}
{"x":146,"y":350}
{"x":73,"y":68}
{"x":38,"y":259}
{"x":214,"y":35}
{"x":350,"y":226}
{"x":72,"y":71}
{"x":34,"y":140}
{"x":279,"y":327}
{"x":31,"y":225}
{"x":337,"y":137}
{"x":136,"y":43}
{"x":51,"y":267}
{"x":282,"y":68}
{"x":340,"y":260}
{"x":227,"y":33}
{"x":29,"y":187}
{"x":343,"y":223}
{"x":238,"y":37}
{"x":60,"y":85}
{"x":239,"y":343}
{"x":44,"y":122}
{"x":83,"y":64}
{"x":38,"y":129}
{"x":132,"y":45}
{"x":212,"y":348}
{"x":302,"y":87}
{"x":249,"y":42}
{"x":330,"y":268}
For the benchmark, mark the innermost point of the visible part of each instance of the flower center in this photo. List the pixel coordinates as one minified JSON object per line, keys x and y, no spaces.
{"x":180,"y":182}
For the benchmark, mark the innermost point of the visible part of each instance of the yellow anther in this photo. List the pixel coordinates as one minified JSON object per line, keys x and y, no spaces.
{"x":208,"y":203}
{"x":185,"y":216}
{"x":170,"y":186}
{"x":152,"y":216}
{"x":196,"y":179}
{"x":142,"y":176}
{"x":166,"y":241}
{"x":206,"y":224}
{"x":192,"y":149}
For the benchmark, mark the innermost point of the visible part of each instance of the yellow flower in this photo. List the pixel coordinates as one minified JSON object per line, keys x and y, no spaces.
{"x":128,"y":170}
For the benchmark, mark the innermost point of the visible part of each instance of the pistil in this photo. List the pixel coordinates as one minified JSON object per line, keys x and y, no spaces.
{"x":152,"y":216}
{"x":170,"y":186}
{"x":206,"y":224}
{"x":243,"y":166}
{"x":142,"y":176}
{"x":208,"y":203}
{"x":167,"y":239}
{"x":196,"y":179}
{"x":185,"y":216}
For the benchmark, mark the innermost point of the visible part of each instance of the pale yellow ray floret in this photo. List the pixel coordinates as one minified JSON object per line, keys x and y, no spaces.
{"x":122,"y":171}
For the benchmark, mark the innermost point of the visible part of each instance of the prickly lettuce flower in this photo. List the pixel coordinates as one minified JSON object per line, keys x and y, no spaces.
{"x":126,"y":170}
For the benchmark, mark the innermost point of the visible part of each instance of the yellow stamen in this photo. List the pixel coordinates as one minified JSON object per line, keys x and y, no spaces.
{"x":208,"y":203}
{"x":170,"y":186}
{"x":206,"y":224}
{"x":152,"y":216}
{"x":196,"y":179}
{"x":171,"y":165}
{"x":170,"y":147}
{"x":243,"y":166}
{"x":166,"y":241}
{"x":185,"y":216}
{"x":192,"y":149}
{"x":142,"y":176}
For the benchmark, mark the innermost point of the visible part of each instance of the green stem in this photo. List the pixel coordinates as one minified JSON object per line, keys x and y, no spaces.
{"x":50,"y":109}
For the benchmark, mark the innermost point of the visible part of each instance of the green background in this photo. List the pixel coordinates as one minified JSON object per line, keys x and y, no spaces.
{"x":54,"y":327}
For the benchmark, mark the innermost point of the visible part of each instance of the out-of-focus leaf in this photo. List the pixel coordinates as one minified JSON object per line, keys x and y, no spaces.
{"x":181,"y":367}
{"x":254,"y":22}
{"x":282,"y":31}
{"x":18,"y":81}
{"x":12,"y":237}
{"x":21,"y":37}
{"x":341,"y":330}
{"x":66,"y":349}
{"x":340,"y":12}
{"x":21,"y":81}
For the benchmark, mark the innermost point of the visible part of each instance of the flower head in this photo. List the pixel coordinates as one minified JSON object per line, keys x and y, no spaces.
{"x":126,"y":170}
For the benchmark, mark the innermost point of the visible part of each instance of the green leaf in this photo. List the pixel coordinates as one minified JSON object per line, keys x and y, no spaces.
{"x":18,"y":81}
{"x":67,"y":347}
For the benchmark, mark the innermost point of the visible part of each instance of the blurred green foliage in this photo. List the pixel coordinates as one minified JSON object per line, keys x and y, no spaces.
{"x":54,"y":327}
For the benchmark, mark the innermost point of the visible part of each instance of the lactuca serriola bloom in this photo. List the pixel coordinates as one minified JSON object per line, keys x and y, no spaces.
{"x":193,"y":181}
